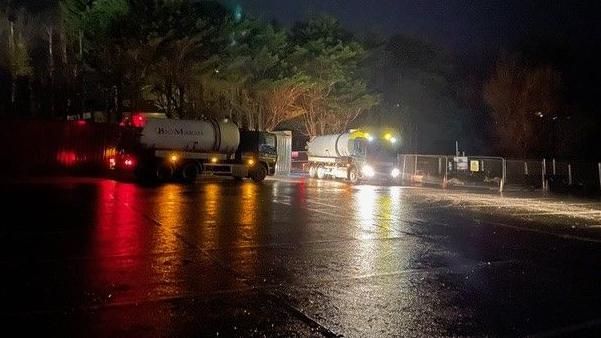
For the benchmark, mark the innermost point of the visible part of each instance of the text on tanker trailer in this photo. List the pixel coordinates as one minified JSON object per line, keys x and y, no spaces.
{"x":355,"y":156}
{"x":166,"y":149}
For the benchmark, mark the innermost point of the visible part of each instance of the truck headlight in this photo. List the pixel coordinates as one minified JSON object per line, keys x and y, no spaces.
{"x":395,"y":173}
{"x":368,"y":171}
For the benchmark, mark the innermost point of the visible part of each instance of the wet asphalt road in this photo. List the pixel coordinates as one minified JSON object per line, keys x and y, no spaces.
{"x":294,"y":257}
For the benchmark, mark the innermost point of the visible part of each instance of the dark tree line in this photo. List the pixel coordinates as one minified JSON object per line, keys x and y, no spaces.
{"x":187,"y":59}
{"x":196,"y":59}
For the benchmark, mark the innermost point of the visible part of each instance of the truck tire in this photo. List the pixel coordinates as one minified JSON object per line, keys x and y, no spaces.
{"x":189,"y":172}
{"x":321,"y":172}
{"x":353,"y":175}
{"x":164,"y":172}
{"x":143,"y":175}
{"x":313,"y":171}
{"x":259,"y":174}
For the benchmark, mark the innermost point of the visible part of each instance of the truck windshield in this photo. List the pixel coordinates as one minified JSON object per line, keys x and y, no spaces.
{"x":376,"y":151}
{"x":267,"y":143}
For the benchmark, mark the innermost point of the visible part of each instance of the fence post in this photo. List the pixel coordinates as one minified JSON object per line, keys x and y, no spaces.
{"x":569,"y":174}
{"x":404,"y":166}
{"x":599,"y":164}
{"x":554,"y":168}
{"x":525,"y":168}
{"x":440,"y":171}
{"x":415,"y":168}
{"x":445,"y":180}
{"x":504,"y":175}
{"x":544,"y":174}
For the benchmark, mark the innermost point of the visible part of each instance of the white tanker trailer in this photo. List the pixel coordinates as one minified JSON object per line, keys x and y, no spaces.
{"x":166,"y":149}
{"x":354,"y":156}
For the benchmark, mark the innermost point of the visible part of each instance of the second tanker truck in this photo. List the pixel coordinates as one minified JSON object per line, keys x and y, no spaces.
{"x":355,"y":156}
{"x":167,"y":149}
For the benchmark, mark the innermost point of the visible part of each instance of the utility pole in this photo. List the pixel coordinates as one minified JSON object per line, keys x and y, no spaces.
{"x":415,"y":138}
{"x":50,"y":33}
{"x":12,"y":57}
{"x":457,"y":148}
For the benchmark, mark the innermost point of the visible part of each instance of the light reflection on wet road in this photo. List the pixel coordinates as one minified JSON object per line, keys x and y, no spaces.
{"x":295,"y":257}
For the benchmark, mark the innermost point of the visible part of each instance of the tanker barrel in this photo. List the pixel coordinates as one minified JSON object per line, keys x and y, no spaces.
{"x":336,"y":145}
{"x":191,"y":135}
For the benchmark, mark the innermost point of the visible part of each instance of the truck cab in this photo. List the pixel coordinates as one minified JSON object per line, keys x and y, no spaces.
{"x":260,"y":148}
{"x":380,"y":161}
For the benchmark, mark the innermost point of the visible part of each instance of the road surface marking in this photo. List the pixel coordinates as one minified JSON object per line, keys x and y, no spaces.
{"x":568,"y":329}
{"x":460,"y":268}
{"x":308,"y":208}
{"x":565,"y":213}
{"x":548,"y":233}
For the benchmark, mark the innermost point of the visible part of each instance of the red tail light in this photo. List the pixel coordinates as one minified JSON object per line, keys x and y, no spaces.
{"x":127,"y":161}
{"x":138,"y":121}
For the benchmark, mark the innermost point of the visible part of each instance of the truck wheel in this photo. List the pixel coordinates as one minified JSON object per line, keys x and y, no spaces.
{"x":189,"y":172}
{"x":164,"y":172}
{"x":321,"y":172}
{"x":259,"y":174}
{"x":143,"y":175}
{"x":353,"y":175}
{"x":313,"y":171}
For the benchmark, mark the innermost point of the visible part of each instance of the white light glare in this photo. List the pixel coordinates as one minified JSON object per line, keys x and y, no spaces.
{"x":368,"y":171}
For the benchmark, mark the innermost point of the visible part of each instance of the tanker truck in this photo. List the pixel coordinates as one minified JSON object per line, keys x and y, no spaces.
{"x":355,"y":156}
{"x":168,"y":149}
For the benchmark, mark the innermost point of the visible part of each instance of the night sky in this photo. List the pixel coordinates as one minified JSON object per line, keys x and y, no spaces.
{"x":468,"y":27}
{"x":465,"y":27}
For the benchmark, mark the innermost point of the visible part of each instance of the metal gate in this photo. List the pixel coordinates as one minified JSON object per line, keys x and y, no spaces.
{"x":284,"y":142}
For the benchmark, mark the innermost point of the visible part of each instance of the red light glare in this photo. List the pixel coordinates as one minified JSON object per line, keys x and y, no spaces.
{"x":138,"y":121}
{"x":128,"y":161}
{"x":81,"y":122}
{"x":66,"y":158}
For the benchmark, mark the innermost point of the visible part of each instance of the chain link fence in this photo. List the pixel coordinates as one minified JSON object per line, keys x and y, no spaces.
{"x":567,"y":176}
{"x":487,"y":172}
{"x":447,"y":170}
{"x":500,"y":173}
{"x":299,"y":162}
{"x":40,"y":147}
